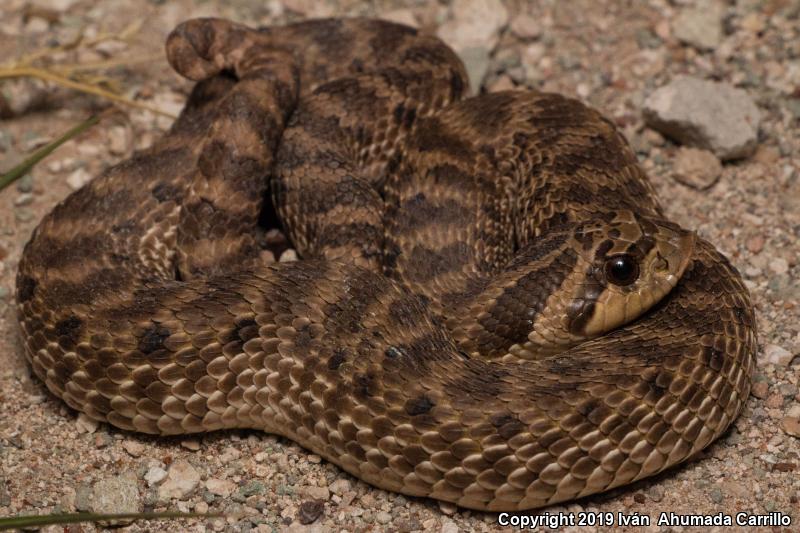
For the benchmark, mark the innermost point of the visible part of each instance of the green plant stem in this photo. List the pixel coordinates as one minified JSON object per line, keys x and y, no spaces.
{"x":71,"y":518}
{"x":23,"y":168}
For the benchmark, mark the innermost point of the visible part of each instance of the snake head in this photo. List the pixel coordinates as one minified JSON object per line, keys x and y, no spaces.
{"x":629,"y":265}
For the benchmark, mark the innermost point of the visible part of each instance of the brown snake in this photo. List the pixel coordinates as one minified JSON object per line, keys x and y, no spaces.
{"x":490,"y":308}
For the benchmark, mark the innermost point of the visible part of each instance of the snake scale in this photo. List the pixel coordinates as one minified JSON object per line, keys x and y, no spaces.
{"x":490,"y":308}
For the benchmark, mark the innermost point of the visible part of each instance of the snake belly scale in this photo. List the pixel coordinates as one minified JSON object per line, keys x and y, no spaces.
{"x":490,"y":308}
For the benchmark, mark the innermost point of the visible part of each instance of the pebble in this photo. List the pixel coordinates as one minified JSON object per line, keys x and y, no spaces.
{"x":155,"y":475}
{"x":83,"y":497}
{"x":526,"y":27}
{"x":716,"y":495}
{"x":78,"y":178}
{"x":201,"y":507}
{"x":760,"y":389}
{"x":288,"y":256}
{"x":191,"y":444}
{"x":25,"y":198}
{"x":309,"y":511}
{"x":447,"y":508}
{"x":774,"y":401}
{"x":474,"y":22}
{"x":700,"y":26}
{"x":182,"y":479}
{"x":316,"y":493}
{"x":777,"y":355}
{"x":448,"y":526}
{"x":133,"y":447}
{"x":656,"y":493}
{"x":476,"y":61}
{"x":25,"y":184}
{"x":755,"y":243}
{"x":696,"y":168}
{"x":401,"y":16}
{"x":473,"y":32}
{"x":383,"y":517}
{"x":340,"y":486}
{"x":779,"y":265}
{"x":117,"y":140}
{"x":706,"y":114}
{"x":791,"y":425}
{"x":220,"y":487}
{"x":116,"y":495}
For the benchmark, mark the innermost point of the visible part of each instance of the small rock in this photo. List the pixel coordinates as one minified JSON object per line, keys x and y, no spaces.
{"x":229,"y":454}
{"x":83,"y":497}
{"x":340,"y":486}
{"x":101,"y":440}
{"x":314,"y":458}
{"x":201,"y":507}
{"x":734,"y":488}
{"x":476,"y":61}
{"x":134,"y":448}
{"x":23,"y":214}
{"x":791,"y":425}
{"x":777,"y":355}
{"x":288,"y":256}
{"x":699,"y":169}
{"x":116,"y":495}
{"x":383,"y":517}
{"x":526,"y":27}
{"x":309,"y":511}
{"x":700,"y":26}
{"x":774,"y":401}
{"x":447,"y":508}
{"x":316,"y":493}
{"x":182,"y":479}
{"x":36,"y":25}
{"x":117,"y":141}
{"x":448,"y":526}
{"x":502,"y":83}
{"x":78,"y":178}
{"x":760,"y":389}
{"x":753,"y":22}
{"x":755,"y":243}
{"x":474,"y":23}
{"x":401,"y":16}
{"x":779,"y":265}
{"x":716,"y":495}
{"x":25,"y":183}
{"x":656,"y":493}
{"x":711,"y":115}
{"x":155,"y":475}
{"x":220,"y":487}
{"x":191,"y":444}
{"x":24,"y":198}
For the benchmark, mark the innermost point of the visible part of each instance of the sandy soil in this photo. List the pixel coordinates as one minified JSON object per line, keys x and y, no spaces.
{"x":612,"y":54}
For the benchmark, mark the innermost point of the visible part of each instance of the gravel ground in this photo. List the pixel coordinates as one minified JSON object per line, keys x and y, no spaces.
{"x":612,"y":54}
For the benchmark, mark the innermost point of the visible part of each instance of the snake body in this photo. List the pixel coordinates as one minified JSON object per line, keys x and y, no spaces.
{"x":489,"y":309}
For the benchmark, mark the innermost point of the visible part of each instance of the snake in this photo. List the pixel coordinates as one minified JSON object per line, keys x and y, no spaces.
{"x":489,"y":306}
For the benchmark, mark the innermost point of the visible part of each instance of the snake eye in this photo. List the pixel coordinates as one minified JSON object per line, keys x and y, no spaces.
{"x":621,"y":269}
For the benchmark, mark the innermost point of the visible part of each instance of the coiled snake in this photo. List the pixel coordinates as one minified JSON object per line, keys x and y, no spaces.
{"x":489,"y":309}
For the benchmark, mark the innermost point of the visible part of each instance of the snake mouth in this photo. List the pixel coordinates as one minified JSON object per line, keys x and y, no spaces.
{"x":675,"y":255}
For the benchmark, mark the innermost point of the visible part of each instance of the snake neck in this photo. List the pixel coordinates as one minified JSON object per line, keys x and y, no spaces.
{"x":573,"y":284}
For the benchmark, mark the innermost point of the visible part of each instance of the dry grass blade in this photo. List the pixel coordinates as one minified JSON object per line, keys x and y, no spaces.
{"x":49,"y":75}
{"x":73,"y":76}
{"x":23,"y":168}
